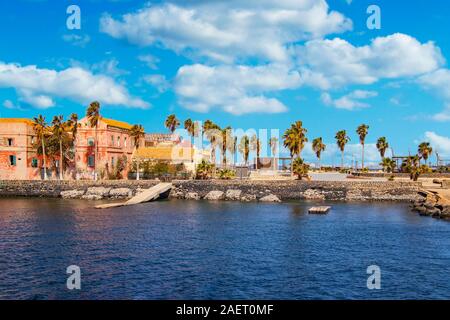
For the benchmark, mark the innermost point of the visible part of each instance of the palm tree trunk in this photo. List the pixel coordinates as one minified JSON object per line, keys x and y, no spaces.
{"x":342,"y":159}
{"x":137,"y":168}
{"x":44,"y":158}
{"x":362,"y":164}
{"x":292,"y":166}
{"x":61,"y":161}
{"x":75,"y":157}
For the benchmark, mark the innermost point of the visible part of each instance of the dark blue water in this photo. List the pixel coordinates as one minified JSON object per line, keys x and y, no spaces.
{"x":201,"y":250}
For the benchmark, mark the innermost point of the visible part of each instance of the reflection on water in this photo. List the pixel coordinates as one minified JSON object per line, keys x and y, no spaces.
{"x":220,"y":250}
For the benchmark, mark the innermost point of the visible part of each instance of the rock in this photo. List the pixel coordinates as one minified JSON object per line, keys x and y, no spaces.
{"x":176,"y":194}
{"x":98,"y":191}
{"x":434,"y":212}
{"x":270,"y":198}
{"x":92,"y":197}
{"x":214,"y":195}
{"x":121,"y":193}
{"x":233,"y":195}
{"x":312,"y":194}
{"x":72,"y":194}
{"x":248,"y":198}
{"x":192,"y":196}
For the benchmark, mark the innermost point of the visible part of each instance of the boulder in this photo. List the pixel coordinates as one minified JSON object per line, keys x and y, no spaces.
{"x":121,"y":193}
{"x":248,"y":198}
{"x":313,"y":194}
{"x":192,"y":196}
{"x":98,"y":191}
{"x":92,"y":197}
{"x":214,"y":195}
{"x":270,"y":198}
{"x":233,"y":195}
{"x":72,"y":194}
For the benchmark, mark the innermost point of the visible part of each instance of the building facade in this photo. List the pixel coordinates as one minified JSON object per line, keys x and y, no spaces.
{"x":18,"y":156}
{"x":114,"y":142}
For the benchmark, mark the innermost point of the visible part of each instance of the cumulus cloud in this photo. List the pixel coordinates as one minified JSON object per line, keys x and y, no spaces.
{"x":328,"y":64}
{"x":441,"y":144}
{"x":159,"y":81}
{"x":234,"y":89}
{"x":150,"y":60}
{"x":349,"y":101}
{"x":39,"y":87}
{"x":227,"y":29}
{"x":77,"y":40}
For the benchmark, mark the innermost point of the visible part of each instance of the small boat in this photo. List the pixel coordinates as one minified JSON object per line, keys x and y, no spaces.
{"x":319,"y":210}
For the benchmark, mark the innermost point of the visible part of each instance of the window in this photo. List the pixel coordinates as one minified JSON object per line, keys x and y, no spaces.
{"x":118,"y":141}
{"x":10,"y":142}
{"x":112,"y":141}
{"x":125,"y":142}
{"x":112,"y":162}
{"x":90,"y":142}
{"x":91,"y":161}
{"x":33,"y":140}
{"x":34,"y":163}
{"x":12,"y":160}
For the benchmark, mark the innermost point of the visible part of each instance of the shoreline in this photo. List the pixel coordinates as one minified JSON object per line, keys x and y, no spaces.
{"x":230,"y":190}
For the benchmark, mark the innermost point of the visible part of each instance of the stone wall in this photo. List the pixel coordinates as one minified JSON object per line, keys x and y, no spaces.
{"x":230,"y":190}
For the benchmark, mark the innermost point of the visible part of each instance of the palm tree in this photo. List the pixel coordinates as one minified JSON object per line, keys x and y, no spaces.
{"x":137,"y":133}
{"x":424,"y":151}
{"x":255,"y":145}
{"x":244,"y":148}
{"x":172,"y":123}
{"x":318,"y":147}
{"x":294,"y":140}
{"x":232,"y":147}
{"x":213,"y":133}
{"x":192,"y":129}
{"x":362,"y":131}
{"x":388,"y":165}
{"x":342,"y":139}
{"x":40,"y":128}
{"x":226,"y":141}
{"x":59,"y":131}
{"x":74,"y":125}
{"x":300,"y":168}
{"x":273,"y":144}
{"x":93,"y":115}
{"x":382,"y":146}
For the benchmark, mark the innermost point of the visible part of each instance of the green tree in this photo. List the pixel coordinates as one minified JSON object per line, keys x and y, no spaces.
{"x":382,"y":146}
{"x":341,"y":140}
{"x":193,"y":130}
{"x":388,"y":165}
{"x":255,"y":145}
{"x":362,"y":132}
{"x":244,"y":148}
{"x":137,"y":133}
{"x":172,"y":123}
{"x":318,"y":147}
{"x":93,"y":116}
{"x":59,"y":133}
{"x":300,"y":168}
{"x":424,"y":151}
{"x":294,"y":140}
{"x":40,"y":128}
{"x":73,"y":126}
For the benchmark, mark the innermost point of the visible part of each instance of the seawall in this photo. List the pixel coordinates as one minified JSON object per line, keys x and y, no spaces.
{"x":223,"y":189}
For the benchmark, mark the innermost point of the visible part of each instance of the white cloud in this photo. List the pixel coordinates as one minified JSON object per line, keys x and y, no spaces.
{"x":350,"y":101}
{"x":109,"y":67}
{"x":8,"y":104}
{"x":226,"y":29}
{"x":39,"y":87}
{"x":441,"y":144}
{"x":149,"y":60}
{"x":439,"y":82}
{"x":77,"y":40}
{"x":159,"y":81}
{"x":328,"y":64}
{"x":235,"y":89}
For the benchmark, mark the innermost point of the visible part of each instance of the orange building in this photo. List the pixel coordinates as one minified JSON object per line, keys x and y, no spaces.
{"x":18,"y":157}
{"x":114,"y":142}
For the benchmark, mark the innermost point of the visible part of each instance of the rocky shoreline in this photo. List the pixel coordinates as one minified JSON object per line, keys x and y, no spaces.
{"x":432,"y":204}
{"x":229,"y":190}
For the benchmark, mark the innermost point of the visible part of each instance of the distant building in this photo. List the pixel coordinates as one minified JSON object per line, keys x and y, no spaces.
{"x":114,"y":141}
{"x":157,"y":139}
{"x":18,"y":157}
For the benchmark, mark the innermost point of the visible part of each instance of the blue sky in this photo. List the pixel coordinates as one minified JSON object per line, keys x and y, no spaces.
{"x":262,"y":65}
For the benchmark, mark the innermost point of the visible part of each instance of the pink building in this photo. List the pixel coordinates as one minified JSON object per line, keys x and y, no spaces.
{"x":114,"y":142}
{"x":18,"y":157}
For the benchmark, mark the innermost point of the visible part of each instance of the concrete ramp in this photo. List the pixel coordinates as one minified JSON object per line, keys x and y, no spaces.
{"x":148,"y":195}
